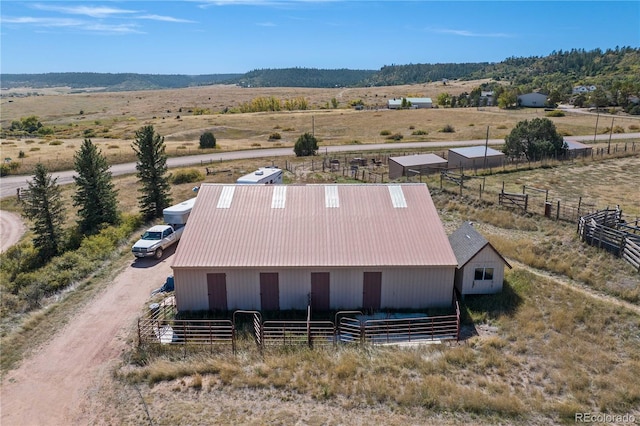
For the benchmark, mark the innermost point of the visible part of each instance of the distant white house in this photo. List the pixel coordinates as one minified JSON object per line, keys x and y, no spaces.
{"x":535,"y":100}
{"x":486,"y":97}
{"x":396,"y":103}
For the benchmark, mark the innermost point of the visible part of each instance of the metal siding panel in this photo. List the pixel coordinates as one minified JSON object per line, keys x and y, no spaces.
{"x":243,"y":289}
{"x":346,"y":288}
{"x":190,"y":290}
{"x":417,"y":288}
{"x":295,"y":286}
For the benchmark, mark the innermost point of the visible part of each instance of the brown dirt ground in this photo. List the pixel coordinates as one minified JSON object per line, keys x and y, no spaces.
{"x":11,"y":229}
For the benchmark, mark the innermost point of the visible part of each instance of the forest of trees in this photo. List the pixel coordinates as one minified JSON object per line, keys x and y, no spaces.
{"x":615,"y":71}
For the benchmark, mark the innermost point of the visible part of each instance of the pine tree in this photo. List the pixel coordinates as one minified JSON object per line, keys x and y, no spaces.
{"x":152,"y":172}
{"x":44,"y":207}
{"x":95,"y":195}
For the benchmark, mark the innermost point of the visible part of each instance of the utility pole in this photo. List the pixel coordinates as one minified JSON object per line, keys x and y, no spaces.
{"x":596,"y":131}
{"x":610,"y":133}
{"x":486,"y":147}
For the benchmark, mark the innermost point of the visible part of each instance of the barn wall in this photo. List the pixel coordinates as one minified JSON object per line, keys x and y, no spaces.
{"x":457,"y":160}
{"x":401,"y":288}
{"x":485,"y":258}
{"x":417,"y":288}
{"x":395,"y":170}
{"x":191,"y":289}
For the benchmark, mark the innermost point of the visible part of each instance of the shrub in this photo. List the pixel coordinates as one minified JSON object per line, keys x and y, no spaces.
{"x":89,"y":133}
{"x":419,"y":132}
{"x":634,"y":127}
{"x":306,"y":145}
{"x":35,"y":148}
{"x":55,"y":143}
{"x":207,"y":140}
{"x":395,"y":137}
{"x":555,"y":113}
{"x":275,"y":136}
{"x":448,"y":129}
{"x":186,"y":176}
{"x":385,"y":133}
{"x":21,"y":154}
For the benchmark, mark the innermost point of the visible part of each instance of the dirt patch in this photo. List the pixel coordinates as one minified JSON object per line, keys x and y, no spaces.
{"x":60,"y":379}
{"x":11,"y":229}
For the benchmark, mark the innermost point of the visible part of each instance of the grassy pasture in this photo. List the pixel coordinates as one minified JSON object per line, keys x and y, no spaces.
{"x":543,"y":351}
{"x":111,"y":120}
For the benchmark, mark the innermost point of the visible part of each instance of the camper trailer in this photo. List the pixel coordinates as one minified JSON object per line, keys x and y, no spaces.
{"x":264,"y":175}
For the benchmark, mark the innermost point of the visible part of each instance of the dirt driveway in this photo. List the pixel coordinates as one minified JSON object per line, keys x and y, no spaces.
{"x":55,"y":385}
{"x":11,"y":229}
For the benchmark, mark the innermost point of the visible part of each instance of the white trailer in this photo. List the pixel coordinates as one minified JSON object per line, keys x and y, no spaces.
{"x":179,"y":213}
{"x":264,"y":175}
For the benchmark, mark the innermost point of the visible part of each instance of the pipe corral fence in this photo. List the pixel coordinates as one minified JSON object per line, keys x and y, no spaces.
{"x":160,"y":326}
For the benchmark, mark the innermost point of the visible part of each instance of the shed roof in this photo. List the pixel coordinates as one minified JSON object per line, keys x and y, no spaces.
{"x":574,"y":145}
{"x":418,"y":160}
{"x":466,"y":242}
{"x":398,"y":101}
{"x":477,"y":152}
{"x":240,"y":226}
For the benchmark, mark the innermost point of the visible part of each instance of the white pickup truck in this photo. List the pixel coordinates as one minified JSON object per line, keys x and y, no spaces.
{"x":157,"y":239}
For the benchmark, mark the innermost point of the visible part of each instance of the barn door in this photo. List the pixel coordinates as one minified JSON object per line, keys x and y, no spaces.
{"x":217,"y":289}
{"x":372,"y":290}
{"x":269,"y":291}
{"x":320,"y":291}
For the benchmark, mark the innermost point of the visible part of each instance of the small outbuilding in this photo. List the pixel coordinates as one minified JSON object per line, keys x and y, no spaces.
{"x":577,"y":149}
{"x":475,"y":157}
{"x":533,"y":100}
{"x":480,"y":266}
{"x":279,"y":247}
{"x":396,"y":103}
{"x":410,"y":165}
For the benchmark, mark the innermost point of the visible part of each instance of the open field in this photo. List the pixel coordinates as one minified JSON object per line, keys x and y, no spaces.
{"x":111,"y":120}
{"x":551,"y":345}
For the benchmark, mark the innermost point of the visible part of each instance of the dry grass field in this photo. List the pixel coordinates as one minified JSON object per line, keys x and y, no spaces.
{"x":112,"y":119}
{"x":561,"y":339}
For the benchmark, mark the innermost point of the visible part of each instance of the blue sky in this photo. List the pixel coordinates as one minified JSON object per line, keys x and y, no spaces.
{"x":237,"y":36}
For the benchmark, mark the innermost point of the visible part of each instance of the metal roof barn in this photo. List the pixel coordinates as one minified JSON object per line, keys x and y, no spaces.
{"x":473,"y":157}
{"x":423,"y":163}
{"x":371,"y":246}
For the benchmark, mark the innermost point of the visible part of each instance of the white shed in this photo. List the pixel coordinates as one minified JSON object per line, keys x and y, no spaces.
{"x":535,"y":100}
{"x":415,"y":103}
{"x":480,"y":266}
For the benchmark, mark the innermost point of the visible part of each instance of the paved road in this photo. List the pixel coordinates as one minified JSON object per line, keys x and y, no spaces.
{"x":9,"y":184}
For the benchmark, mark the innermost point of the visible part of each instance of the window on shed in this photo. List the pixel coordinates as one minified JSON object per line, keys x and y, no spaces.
{"x":483,"y":274}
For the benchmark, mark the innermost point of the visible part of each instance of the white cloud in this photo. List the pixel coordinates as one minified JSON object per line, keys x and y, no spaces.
{"x":466,"y":33}
{"x":165,"y":19}
{"x":91,"y":11}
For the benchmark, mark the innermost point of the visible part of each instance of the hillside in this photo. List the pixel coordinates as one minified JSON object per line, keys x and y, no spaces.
{"x":560,"y":70}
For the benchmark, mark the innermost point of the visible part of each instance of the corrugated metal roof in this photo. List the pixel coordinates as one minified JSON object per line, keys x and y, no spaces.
{"x":476,"y":152}
{"x":572,"y":145}
{"x":317,"y":226}
{"x":418,"y":160}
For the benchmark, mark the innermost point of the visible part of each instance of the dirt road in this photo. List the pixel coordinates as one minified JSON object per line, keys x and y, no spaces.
{"x":55,"y":385}
{"x":11,"y":229}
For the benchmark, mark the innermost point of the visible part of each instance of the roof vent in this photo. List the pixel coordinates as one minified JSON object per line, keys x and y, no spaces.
{"x":259,"y":172}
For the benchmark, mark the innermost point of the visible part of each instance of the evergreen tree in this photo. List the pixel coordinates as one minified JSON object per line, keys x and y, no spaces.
{"x":152,"y":172}
{"x":534,"y":139}
{"x":95,"y":195}
{"x":207,"y":140}
{"x":306,"y":145}
{"x":44,"y":207}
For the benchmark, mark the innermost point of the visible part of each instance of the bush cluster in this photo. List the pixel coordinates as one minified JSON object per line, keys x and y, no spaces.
{"x":25,"y":281}
{"x":186,"y":176}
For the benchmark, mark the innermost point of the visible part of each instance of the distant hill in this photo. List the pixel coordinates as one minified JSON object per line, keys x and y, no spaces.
{"x":114,"y":82}
{"x":559,"y":71}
